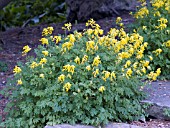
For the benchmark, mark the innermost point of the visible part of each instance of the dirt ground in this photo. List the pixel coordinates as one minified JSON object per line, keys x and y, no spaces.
{"x":13,"y":40}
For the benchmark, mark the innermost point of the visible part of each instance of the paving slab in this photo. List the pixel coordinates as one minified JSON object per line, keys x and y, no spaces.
{"x":110,"y":125}
{"x":158,"y":98}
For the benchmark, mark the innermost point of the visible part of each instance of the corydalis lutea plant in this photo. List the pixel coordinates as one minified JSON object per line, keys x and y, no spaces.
{"x":84,"y":77}
{"x":153,"y":23}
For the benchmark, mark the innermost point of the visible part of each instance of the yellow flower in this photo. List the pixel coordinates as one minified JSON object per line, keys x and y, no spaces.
{"x":96,"y":72}
{"x":91,"y":23}
{"x":121,"y":24}
{"x":124,"y":55}
{"x":19,"y":82}
{"x":67,"y":86}
{"x":50,"y":30}
{"x":167,"y":43}
{"x":77,"y":60}
{"x":61,"y":78}
{"x":150,"y":57}
{"x":90,"y":31}
{"x":17,"y":70}
{"x":90,"y":45}
{"x":96,"y":61}
{"x":118,"y":20}
{"x":43,"y":61}
{"x":67,"y":26}
{"x":69,"y":68}
{"x":33,"y":65}
{"x":131,"y":50}
{"x":144,"y":27}
{"x":128,"y":63}
{"x":157,"y":13}
{"x":146,"y":63}
{"x":84,"y":59}
{"x":72,"y":38}
{"x":129,"y":72}
{"x":113,"y":75}
{"x":45,"y":53}
{"x":57,"y":39}
{"x":152,"y":75}
{"x":157,"y":51}
{"x":145,"y":44}
{"x":88,"y":67}
{"x":143,"y":70}
{"x":135,"y":65}
{"x":158,"y":71}
{"x":26,"y":49}
{"x":102,"y":89}
{"x":141,"y":13}
{"x":106,"y":75}
{"x":44,"y":41}
{"x":41,"y":75}
{"x":45,"y":32}
{"x":67,"y":45}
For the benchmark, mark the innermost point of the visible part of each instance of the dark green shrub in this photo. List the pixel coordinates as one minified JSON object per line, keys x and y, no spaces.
{"x":30,"y":12}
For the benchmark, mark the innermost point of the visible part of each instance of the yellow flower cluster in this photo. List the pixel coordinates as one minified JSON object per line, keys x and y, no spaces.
{"x":43,"y":61}
{"x":167,"y":44}
{"x":44,"y":41}
{"x":96,"y":61}
{"x":153,"y":75}
{"x":95,"y":26}
{"x":47,"y":31}
{"x":61,"y":78}
{"x":163,"y":23}
{"x":84,"y":59}
{"x":157,"y":3}
{"x":69,"y":68}
{"x":41,"y":75}
{"x":26,"y":49}
{"x":67,"y":26}
{"x":45,"y":53}
{"x":141,"y":13}
{"x":67,"y":45}
{"x":19,"y":82}
{"x":67,"y":86}
{"x":88,"y":67}
{"x":77,"y":60}
{"x":96,"y":72}
{"x":157,"y":51}
{"x":33,"y":65}
{"x":17,"y":70}
{"x":57,"y":39}
{"x":102,"y":89}
{"x":90,"y":45}
{"x":106,"y":75}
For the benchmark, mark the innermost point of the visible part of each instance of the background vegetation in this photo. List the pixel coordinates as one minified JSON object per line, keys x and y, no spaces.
{"x":30,"y":12}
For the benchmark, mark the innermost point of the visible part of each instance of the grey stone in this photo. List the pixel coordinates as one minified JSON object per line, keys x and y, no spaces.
{"x":83,"y":10}
{"x":158,"y":99}
{"x":110,"y":125}
{"x":120,"y":125}
{"x":69,"y":126}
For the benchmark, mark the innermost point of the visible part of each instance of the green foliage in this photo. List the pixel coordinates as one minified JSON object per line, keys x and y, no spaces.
{"x":82,"y":80}
{"x":167,"y":112}
{"x":3,"y":66}
{"x":30,"y":12}
{"x":153,"y":23}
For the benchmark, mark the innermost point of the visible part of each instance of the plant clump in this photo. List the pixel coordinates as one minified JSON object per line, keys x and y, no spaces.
{"x":84,"y":77}
{"x":153,"y":23}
